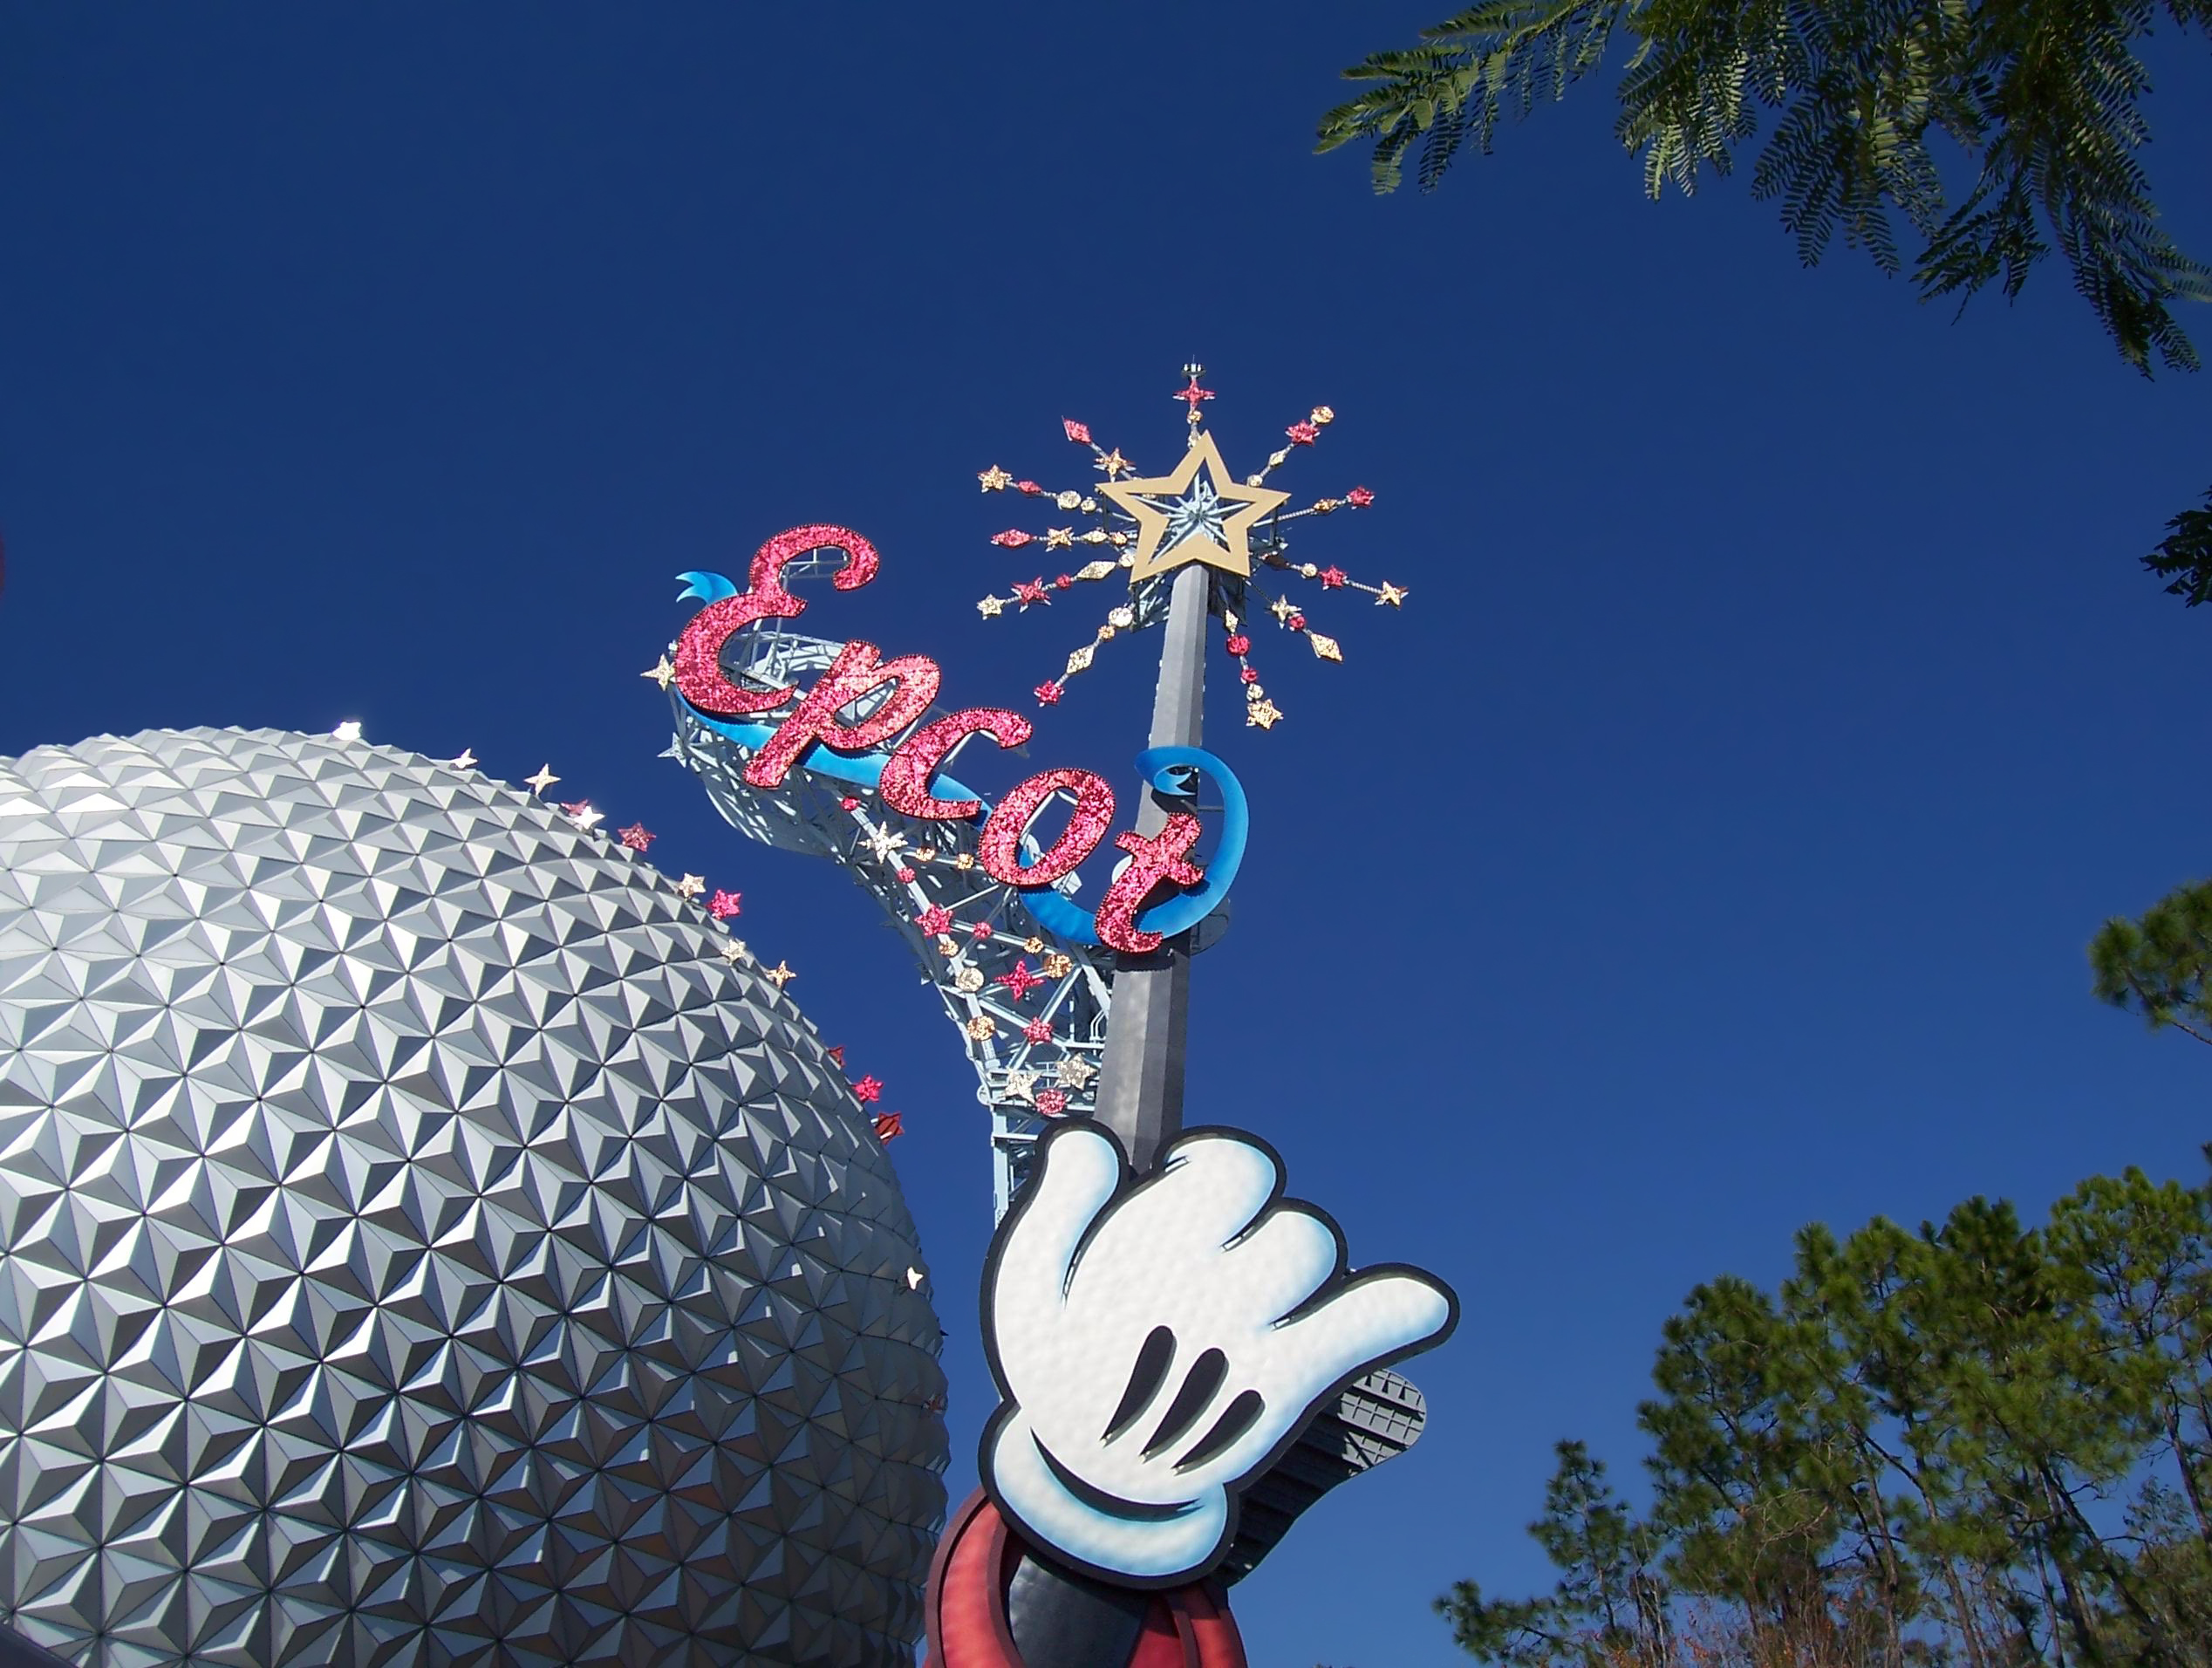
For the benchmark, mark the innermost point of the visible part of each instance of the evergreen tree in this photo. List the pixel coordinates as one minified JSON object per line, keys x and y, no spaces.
{"x":2156,"y":967}
{"x":1979,"y":1443}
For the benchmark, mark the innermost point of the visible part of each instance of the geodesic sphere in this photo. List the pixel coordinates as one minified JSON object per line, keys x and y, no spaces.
{"x":420,"y":1244}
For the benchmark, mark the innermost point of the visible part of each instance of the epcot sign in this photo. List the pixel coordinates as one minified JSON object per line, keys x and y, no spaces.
{"x":1184,"y":1357}
{"x":862,"y":700}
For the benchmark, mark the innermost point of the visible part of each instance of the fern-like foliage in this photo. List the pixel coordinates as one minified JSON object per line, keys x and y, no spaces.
{"x":1499,"y":56}
{"x":2184,"y":557}
{"x":2043,"y":97}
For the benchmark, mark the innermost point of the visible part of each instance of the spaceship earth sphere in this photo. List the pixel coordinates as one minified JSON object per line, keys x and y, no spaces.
{"x":425,"y":1239}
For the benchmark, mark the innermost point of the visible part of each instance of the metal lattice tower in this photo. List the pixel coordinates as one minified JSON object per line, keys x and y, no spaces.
{"x":809,"y":814}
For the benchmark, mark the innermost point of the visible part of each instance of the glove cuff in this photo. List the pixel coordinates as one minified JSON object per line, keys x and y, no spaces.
{"x":1152,"y":1550}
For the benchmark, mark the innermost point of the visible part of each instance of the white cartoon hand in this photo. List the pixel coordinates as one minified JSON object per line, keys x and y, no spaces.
{"x":1157,"y":1343}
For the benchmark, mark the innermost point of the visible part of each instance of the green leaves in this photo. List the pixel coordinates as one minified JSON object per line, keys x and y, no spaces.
{"x":2042,"y":96}
{"x":1490,"y":58}
{"x":1609,"y":1610}
{"x":1980,"y":1442}
{"x":2185,"y":556}
{"x":2156,"y":967}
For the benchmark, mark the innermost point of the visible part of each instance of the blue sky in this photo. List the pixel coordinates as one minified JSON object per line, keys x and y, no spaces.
{"x":1708,"y":847}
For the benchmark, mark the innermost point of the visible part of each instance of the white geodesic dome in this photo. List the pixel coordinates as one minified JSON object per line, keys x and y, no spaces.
{"x":421,"y":1243}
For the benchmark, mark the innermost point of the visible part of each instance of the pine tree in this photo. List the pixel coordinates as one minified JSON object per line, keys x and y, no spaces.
{"x":2157,"y":966}
{"x":1981,"y":1443}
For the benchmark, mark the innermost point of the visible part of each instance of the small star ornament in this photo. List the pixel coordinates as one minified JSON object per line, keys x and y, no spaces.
{"x":541,"y":781}
{"x":691,"y":885}
{"x":780,"y":974}
{"x":1076,"y":1072}
{"x":660,"y":672}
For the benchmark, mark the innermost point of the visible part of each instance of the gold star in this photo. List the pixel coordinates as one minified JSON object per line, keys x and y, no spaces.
{"x":1076,"y":1072}
{"x":1232,"y":552}
{"x":1389,"y":593}
{"x":781,"y":973}
{"x":541,"y":781}
{"x":661,"y":672}
{"x":1113,"y":462}
{"x":466,"y":762}
{"x":1282,"y":608}
{"x":1265,"y":714}
{"x":735,"y":950}
{"x":991,"y":607}
{"x":1060,"y":538}
{"x":691,"y":885}
{"x":994,"y":479}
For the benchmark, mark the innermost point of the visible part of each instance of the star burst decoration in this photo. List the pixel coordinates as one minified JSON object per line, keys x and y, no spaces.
{"x":1146,"y":529}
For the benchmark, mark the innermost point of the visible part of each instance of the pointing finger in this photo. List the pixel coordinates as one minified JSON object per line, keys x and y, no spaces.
{"x":1374,"y":1315}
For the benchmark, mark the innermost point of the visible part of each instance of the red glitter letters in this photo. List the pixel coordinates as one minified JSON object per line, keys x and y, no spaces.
{"x":1153,"y":858}
{"x":700,"y":676}
{"x":857,"y":672}
{"x":1000,"y":849}
{"x":906,"y":784}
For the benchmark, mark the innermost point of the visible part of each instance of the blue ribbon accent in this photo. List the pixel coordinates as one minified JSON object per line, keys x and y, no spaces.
{"x":708,"y":587}
{"x":1177,"y":915}
{"x":1052,"y":909}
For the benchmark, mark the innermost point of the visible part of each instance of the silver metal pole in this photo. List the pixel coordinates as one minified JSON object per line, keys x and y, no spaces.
{"x":1140,"y":1086}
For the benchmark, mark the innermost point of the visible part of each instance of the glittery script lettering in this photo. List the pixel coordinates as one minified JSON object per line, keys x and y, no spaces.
{"x":1000,"y":849}
{"x":864,"y":702}
{"x":857,"y":672}
{"x":908,"y":777}
{"x":1154,"y":859}
{"x":700,"y":676}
